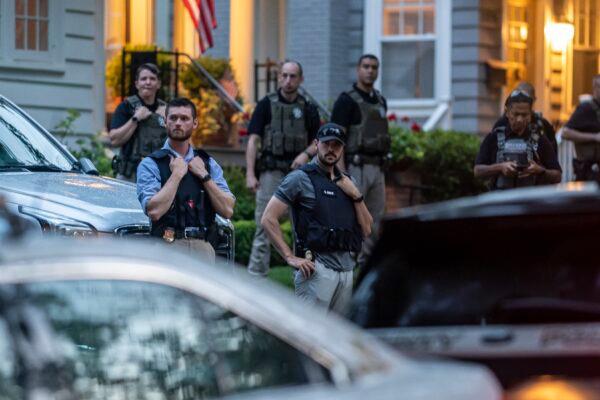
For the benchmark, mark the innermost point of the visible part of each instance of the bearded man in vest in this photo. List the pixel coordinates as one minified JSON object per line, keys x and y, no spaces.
{"x":362,"y":112}
{"x":138,"y":124}
{"x":285,"y":124}
{"x":583,"y":129}
{"x":181,"y":188}
{"x":517,"y":154}
{"x":330,"y":221}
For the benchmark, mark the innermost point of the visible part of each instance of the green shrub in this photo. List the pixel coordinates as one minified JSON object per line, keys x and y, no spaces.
{"x":244,"y":234}
{"x":407,"y":145}
{"x":245,"y":199}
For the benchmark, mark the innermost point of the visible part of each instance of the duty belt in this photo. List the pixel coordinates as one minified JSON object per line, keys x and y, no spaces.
{"x":193,"y":232}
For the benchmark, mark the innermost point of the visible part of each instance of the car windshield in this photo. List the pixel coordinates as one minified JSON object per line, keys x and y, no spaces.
{"x":24,"y":145}
{"x":490,"y":272}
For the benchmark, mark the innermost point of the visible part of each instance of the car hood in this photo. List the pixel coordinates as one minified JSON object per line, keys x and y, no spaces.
{"x":105,"y":203}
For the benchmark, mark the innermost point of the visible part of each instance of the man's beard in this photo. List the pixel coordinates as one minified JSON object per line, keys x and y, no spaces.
{"x":180,"y":136}
{"x":323,"y":160}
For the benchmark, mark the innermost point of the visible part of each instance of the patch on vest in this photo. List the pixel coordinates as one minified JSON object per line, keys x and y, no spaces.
{"x":297,"y":112}
{"x":515,"y":146}
{"x":329,"y":193}
{"x":382,"y":112}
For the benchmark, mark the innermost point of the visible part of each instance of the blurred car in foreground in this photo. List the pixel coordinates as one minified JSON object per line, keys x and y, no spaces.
{"x":43,"y":182}
{"x":508,"y":279}
{"x":127,"y":320}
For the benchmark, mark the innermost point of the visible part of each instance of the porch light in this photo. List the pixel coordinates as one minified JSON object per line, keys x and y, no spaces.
{"x":559,"y":34}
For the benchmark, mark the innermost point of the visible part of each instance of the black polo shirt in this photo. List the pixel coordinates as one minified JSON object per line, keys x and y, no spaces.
{"x":548,"y":129}
{"x":584,"y":118}
{"x":125,"y":111}
{"x":489,"y":149}
{"x":261,"y":117}
{"x":346,"y":111}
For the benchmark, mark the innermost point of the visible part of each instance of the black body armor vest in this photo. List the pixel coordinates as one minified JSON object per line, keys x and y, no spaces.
{"x":192,"y":206}
{"x":519,"y":150}
{"x":332,"y":224}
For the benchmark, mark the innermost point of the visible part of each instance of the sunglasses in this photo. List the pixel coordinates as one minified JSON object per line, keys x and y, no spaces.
{"x":518,"y":92}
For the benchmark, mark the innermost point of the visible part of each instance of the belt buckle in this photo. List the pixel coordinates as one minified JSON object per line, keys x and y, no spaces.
{"x":191,"y":233}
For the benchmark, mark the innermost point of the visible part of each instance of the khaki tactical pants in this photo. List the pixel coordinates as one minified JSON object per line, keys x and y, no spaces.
{"x":194,"y":247}
{"x":261,"y":246}
{"x":371,"y":183}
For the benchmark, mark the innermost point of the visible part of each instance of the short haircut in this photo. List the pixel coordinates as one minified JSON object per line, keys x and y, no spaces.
{"x":289,"y":61}
{"x":367,"y":56}
{"x":518,"y":96}
{"x":148,"y":67}
{"x":526,"y":87}
{"x":181,"y":102}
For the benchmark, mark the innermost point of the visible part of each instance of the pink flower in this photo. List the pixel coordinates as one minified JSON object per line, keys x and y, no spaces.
{"x":392,"y":117}
{"x":415,"y":127}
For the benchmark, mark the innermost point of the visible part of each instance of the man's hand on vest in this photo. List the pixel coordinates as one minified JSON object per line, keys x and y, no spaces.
{"x":306,"y":266}
{"x":348,"y":187}
{"x":141,"y":113}
{"x":197,"y":167}
{"x":178,"y":167}
{"x":508,"y":168}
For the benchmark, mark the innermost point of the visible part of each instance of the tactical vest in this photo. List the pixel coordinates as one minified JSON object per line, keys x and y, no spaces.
{"x":331,"y":225}
{"x":589,"y":151}
{"x":519,"y":150}
{"x":371,"y":136}
{"x":149,"y":136}
{"x":192,"y":206}
{"x":286,"y":135}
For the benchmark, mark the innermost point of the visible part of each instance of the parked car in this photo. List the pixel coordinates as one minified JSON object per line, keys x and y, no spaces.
{"x":42,"y":181}
{"x":507,"y":279}
{"x":128,"y":320}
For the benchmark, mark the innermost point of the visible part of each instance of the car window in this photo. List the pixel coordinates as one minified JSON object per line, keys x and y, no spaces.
{"x":123,"y":339}
{"x":22,"y":143}
{"x":495,"y":278}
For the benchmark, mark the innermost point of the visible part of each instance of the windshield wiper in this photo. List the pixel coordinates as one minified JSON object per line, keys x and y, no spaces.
{"x":32,"y":168}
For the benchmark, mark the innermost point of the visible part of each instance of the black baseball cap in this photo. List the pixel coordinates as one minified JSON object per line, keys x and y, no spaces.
{"x":331,"y":131}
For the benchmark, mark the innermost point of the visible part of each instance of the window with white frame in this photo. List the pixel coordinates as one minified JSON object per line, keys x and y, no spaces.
{"x":408,"y":42}
{"x":31,"y":25}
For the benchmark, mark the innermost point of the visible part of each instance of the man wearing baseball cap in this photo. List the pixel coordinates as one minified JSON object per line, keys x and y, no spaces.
{"x":330,"y":220}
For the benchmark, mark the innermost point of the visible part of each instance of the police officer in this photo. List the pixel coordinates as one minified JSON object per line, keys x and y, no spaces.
{"x":285,"y":123}
{"x":583,"y":129}
{"x":138,"y":124}
{"x":181,"y":188}
{"x":362,"y":112}
{"x":330,"y":221}
{"x":516,"y":154}
{"x":544,"y":126}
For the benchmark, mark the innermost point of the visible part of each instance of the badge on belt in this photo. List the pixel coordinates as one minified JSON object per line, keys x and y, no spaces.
{"x":169,"y":235}
{"x":308,"y":255}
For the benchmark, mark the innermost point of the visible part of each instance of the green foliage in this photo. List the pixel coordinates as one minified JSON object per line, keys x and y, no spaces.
{"x":114,"y":70}
{"x":194,"y":82}
{"x":244,"y":235}
{"x":91,"y":148}
{"x":444,"y":160}
{"x":245,"y":199}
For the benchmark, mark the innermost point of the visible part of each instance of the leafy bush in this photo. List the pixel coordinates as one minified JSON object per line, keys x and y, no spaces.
{"x":244,"y":234}
{"x":245,"y":199}
{"x":444,"y":159}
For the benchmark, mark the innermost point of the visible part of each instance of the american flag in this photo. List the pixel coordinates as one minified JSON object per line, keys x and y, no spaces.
{"x":203,"y":15}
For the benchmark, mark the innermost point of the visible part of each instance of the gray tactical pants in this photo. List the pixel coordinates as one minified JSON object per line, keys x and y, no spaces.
{"x":326,"y":288}
{"x":371,"y":183}
{"x":261,"y":247}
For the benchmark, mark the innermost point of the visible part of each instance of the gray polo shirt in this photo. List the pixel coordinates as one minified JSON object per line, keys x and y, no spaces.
{"x":296,"y":189}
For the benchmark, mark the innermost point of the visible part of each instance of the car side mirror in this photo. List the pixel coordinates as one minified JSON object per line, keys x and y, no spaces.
{"x":88,"y":167}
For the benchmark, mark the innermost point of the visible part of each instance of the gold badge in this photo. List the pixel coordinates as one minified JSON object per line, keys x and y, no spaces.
{"x":308,"y":255}
{"x":169,"y":235}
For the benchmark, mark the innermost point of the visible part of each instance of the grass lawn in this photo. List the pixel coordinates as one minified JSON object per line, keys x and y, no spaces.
{"x":282,"y":274}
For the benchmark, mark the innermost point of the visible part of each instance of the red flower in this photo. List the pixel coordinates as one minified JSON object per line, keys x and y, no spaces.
{"x":415,"y":127}
{"x":246,"y":116}
{"x":392,"y":117}
{"x":243,"y":132}
{"x":405,"y":119}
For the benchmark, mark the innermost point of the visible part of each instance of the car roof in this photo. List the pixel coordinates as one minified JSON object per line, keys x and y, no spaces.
{"x":324,"y":336}
{"x":572,"y":197}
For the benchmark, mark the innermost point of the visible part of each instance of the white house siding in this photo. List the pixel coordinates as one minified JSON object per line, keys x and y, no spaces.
{"x":72,"y":79}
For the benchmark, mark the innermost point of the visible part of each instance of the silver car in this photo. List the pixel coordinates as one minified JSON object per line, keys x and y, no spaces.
{"x":42,"y":181}
{"x":129,"y":320}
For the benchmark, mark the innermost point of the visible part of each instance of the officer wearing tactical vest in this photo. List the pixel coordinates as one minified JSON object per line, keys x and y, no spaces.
{"x":330,"y":221}
{"x":285,"y":123}
{"x":138,"y":124}
{"x":583,"y":129}
{"x":362,"y":112}
{"x":181,"y":189}
{"x":517,"y":155}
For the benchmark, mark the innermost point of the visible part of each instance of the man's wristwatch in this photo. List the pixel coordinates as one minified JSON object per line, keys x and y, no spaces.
{"x":205,"y":178}
{"x":135,"y":119}
{"x":359,"y":199}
